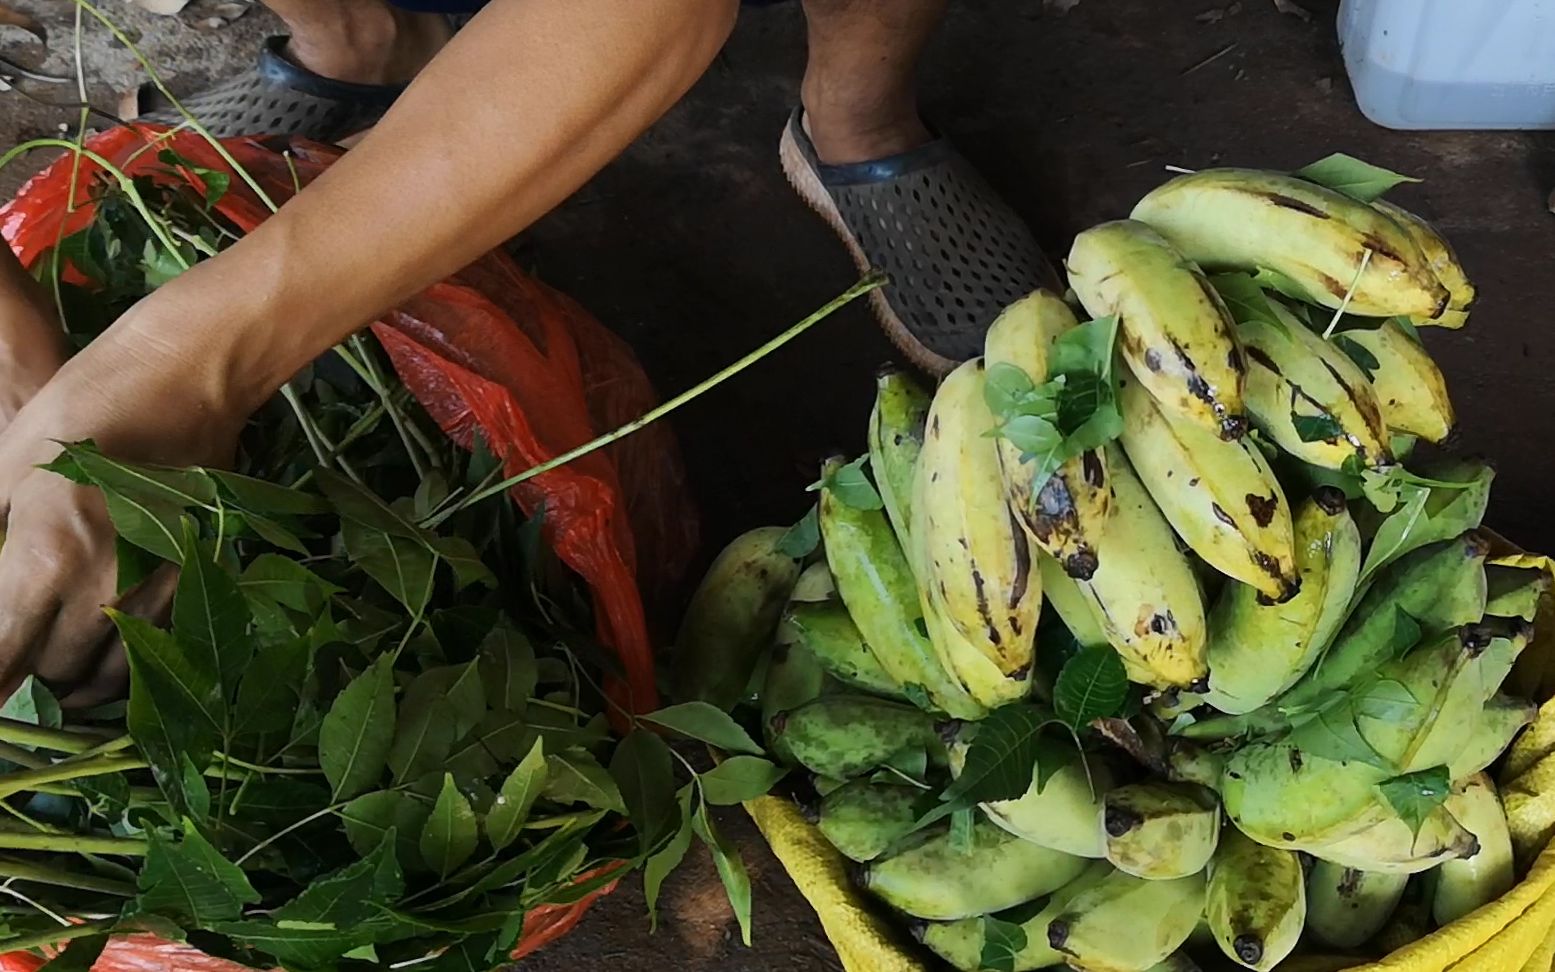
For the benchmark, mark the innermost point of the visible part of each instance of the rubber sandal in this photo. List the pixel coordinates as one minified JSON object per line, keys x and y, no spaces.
{"x":279,"y":98}
{"x":956,"y":254}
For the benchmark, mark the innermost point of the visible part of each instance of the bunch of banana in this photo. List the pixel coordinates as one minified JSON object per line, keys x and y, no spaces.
{"x":975,"y":568}
{"x":1065,"y":516}
{"x":1443,"y":263}
{"x":1174,"y":331}
{"x":1408,"y":386}
{"x":1332,"y":247}
{"x":1464,"y":885}
{"x":1256,"y":902}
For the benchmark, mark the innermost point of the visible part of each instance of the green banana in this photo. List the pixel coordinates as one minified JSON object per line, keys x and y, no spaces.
{"x":814,"y":584}
{"x":1410,"y":389}
{"x":1189,"y":762}
{"x":1463,"y":886}
{"x":1443,"y":262}
{"x":1256,"y":902}
{"x":972,"y":559}
{"x":934,"y":879}
{"x":1062,"y":815}
{"x":961,"y":942}
{"x":844,"y":736}
{"x":1257,"y":649}
{"x":1515,"y":592}
{"x":1346,"y":906}
{"x":1502,"y":718}
{"x":1174,"y":331}
{"x":1309,"y":397}
{"x":828,"y":631}
{"x":1124,"y":922}
{"x":895,"y":439}
{"x":1336,"y":250}
{"x":1285,"y":794}
{"x":1073,"y":606}
{"x":1391,"y":845}
{"x":731,"y":617}
{"x":793,"y":678}
{"x":1160,"y":830}
{"x":1064,"y":516}
{"x":876,"y":584}
{"x":863,"y":819}
{"x":1449,"y":510}
{"x":1221,"y":497}
{"x":1145,"y":595}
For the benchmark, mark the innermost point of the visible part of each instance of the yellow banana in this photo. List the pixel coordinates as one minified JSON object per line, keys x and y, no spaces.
{"x":1346,"y":906}
{"x":978,"y":674}
{"x":1161,"y":830}
{"x":1174,"y":331}
{"x":1144,"y":593}
{"x":1309,"y":397}
{"x":1409,"y":387}
{"x":895,"y":440}
{"x":1124,"y":923}
{"x":1392,"y":846}
{"x":1502,"y":718}
{"x":1443,"y":262}
{"x":1075,"y":607}
{"x":969,"y":554}
{"x":960,"y":943}
{"x":1326,"y":243}
{"x":814,"y":585}
{"x":1464,"y":885}
{"x":1062,"y":815}
{"x":1066,"y":513}
{"x":1221,"y":497}
{"x":1256,"y":902}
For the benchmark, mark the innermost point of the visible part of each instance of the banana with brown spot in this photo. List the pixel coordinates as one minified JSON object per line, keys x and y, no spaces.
{"x":1443,"y":262}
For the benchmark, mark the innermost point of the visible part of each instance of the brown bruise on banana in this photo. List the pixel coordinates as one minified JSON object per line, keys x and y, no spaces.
{"x":1198,"y":388}
{"x":1370,"y":414}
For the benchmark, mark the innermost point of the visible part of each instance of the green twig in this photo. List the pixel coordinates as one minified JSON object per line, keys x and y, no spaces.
{"x":21,"y":756}
{"x":869,"y":282}
{"x":41,"y":737}
{"x":73,"y":843}
{"x":20,"y":870}
{"x":60,"y":772}
{"x":58,"y":936}
{"x":274,"y":770}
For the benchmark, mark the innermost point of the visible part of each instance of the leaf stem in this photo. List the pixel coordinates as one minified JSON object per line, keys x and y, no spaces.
{"x":871,"y":281}
{"x":57,"y":936}
{"x":20,"y":870}
{"x":1349,"y":293}
{"x":41,"y":737}
{"x":73,"y":843}
{"x":333,"y":808}
{"x":273,"y":770}
{"x":70,"y":770}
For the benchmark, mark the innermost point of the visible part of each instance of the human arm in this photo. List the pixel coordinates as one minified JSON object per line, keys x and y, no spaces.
{"x":32,"y":346}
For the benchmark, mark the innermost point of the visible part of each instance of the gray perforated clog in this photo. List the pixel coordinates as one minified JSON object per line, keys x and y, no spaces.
{"x":956,"y":253}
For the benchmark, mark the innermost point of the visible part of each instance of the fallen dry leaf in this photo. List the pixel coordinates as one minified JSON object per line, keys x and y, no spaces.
{"x":15,"y":18}
{"x":1289,"y":7}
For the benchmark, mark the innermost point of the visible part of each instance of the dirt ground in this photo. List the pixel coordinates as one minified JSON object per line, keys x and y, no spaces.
{"x":693,"y":247}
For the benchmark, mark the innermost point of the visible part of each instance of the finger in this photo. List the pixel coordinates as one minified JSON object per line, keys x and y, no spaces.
{"x":29,"y":603}
{"x":109,"y":677}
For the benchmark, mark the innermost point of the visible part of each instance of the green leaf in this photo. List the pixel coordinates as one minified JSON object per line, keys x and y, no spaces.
{"x":1280,"y":284}
{"x":1002,"y":942}
{"x":1316,"y":428}
{"x":1031,"y":434}
{"x":282,"y":801}
{"x":462,"y":556}
{"x":1247,"y":302}
{"x":660,"y":865}
{"x":961,"y":822}
{"x":271,"y":499}
{"x":270,"y":690}
{"x":174,"y":710}
{"x":451,"y":832}
{"x":440,"y":706}
{"x":852,"y":487}
{"x":1086,"y":348}
{"x":134,"y":564}
{"x":1406,"y":633}
{"x":730,"y":867}
{"x":183,"y":488}
{"x":191,"y":881}
{"x":1394,"y":537}
{"x":356,"y":733}
{"x":362,"y":507}
{"x":470,"y":955}
{"x":1334,"y":735}
{"x":1002,"y":759}
{"x":152,"y":525}
{"x":803,"y":537}
{"x":1358,"y":353}
{"x":1416,"y":795}
{"x":644,"y":774}
{"x":740,"y":778}
{"x":33,"y":704}
{"x":78,"y":956}
{"x":1359,"y":180}
{"x":1008,"y":390}
{"x":402,"y":567}
{"x":210,"y":616}
{"x":273,"y":532}
{"x":299,"y":945}
{"x":197,"y":795}
{"x":286,"y":582}
{"x":1386,"y":699}
{"x":372,"y":815}
{"x":516,"y":798}
{"x":706,"y":723}
{"x":351,"y":895}
{"x":508,"y":669}
{"x":576,"y":777}
{"x":1091,"y":686}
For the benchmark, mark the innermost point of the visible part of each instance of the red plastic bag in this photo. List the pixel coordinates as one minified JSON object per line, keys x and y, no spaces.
{"x":491,"y":350}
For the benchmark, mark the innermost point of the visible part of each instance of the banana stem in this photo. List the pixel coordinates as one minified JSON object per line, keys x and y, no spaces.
{"x":73,"y":843}
{"x":12,"y":867}
{"x":57,"y":936}
{"x":60,"y":772}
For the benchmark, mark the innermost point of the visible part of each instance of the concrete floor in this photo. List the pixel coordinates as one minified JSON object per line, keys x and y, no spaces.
{"x":694,"y":248}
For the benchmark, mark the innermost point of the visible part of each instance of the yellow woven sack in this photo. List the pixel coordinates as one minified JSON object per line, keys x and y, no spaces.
{"x":1513,"y":934}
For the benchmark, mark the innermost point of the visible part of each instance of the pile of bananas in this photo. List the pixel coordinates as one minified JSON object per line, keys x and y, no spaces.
{"x":1257,"y":711}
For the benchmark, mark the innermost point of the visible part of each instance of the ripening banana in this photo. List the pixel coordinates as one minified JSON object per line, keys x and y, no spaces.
{"x":1327,"y":244}
{"x":1285,"y":793}
{"x":1256,"y":901}
{"x":960,"y":943}
{"x":1145,"y":595}
{"x":1443,"y":262}
{"x":793,"y":678}
{"x":863,"y":819}
{"x":935,"y":879}
{"x":1465,"y":885}
{"x":1074,"y":607}
{"x":1499,"y":722}
{"x":1515,"y":592}
{"x":1409,"y":387}
{"x":1159,"y":830}
{"x":814,"y":584}
{"x":731,"y":617}
{"x":843,"y":736}
{"x":895,"y":439}
{"x":1063,"y":516}
{"x":1221,"y":497}
{"x":1174,"y":331}
{"x":1346,"y":906}
{"x":1309,"y":397}
{"x":1258,"y":649}
{"x":972,"y":559}
{"x":877,"y":585}
{"x":1391,"y":845}
{"x":1125,"y":923}
{"x":828,"y":631}
{"x":1062,"y":814}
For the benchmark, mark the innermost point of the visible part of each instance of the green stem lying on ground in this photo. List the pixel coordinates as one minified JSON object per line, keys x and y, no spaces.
{"x":20,"y":870}
{"x":871,"y":281}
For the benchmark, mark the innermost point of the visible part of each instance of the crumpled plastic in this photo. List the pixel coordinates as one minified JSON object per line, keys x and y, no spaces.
{"x":491,"y":351}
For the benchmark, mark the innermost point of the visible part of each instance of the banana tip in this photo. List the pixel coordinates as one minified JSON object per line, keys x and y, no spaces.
{"x":1248,"y":949}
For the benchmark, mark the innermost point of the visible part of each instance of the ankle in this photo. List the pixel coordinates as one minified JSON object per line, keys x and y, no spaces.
{"x":848,"y":129}
{"x":368,"y":44}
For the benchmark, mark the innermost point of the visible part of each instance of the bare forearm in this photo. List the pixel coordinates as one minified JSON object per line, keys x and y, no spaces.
{"x":520,"y":110}
{"x":31,"y":344}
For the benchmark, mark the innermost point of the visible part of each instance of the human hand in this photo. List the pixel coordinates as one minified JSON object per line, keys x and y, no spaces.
{"x":32,"y":345}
